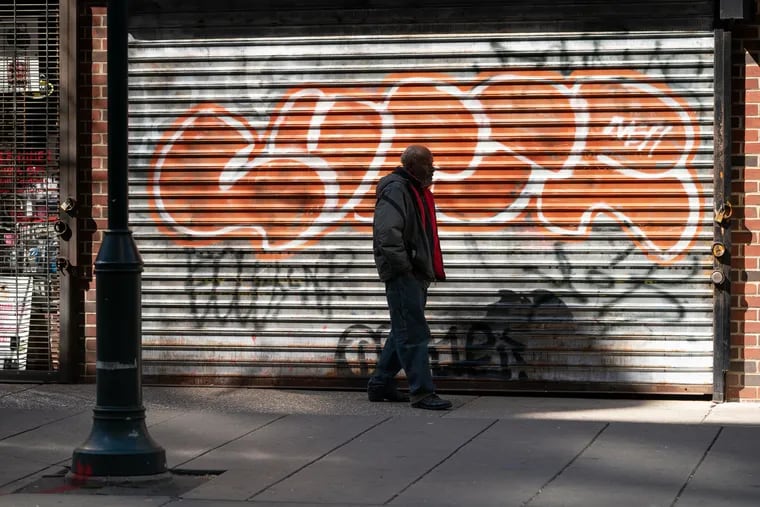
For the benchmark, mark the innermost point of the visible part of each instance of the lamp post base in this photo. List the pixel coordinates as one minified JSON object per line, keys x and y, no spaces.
{"x":118,"y":447}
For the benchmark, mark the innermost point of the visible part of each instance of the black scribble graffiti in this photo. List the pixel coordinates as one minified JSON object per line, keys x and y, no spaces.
{"x":618,"y":292}
{"x":494,"y":347}
{"x":228,"y":285}
{"x":358,"y":348}
{"x":489,"y":347}
{"x":485,"y":353}
{"x":214,"y":284}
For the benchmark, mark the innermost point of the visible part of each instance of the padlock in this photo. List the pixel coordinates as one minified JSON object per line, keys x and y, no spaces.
{"x":723,"y":213}
{"x":69,"y":205}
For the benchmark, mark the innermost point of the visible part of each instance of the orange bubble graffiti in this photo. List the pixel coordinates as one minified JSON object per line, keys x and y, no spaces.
{"x":565,"y":150}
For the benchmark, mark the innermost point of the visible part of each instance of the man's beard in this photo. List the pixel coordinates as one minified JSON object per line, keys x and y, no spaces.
{"x":425,"y":181}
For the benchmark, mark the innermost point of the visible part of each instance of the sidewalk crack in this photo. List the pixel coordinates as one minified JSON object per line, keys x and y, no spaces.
{"x":709,"y":412}
{"x":179,"y":465}
{"x":294,"y":472}
{"x":444,"y":460}
{"x":468,"y":402}
{"x":567,"y":465}
{"x":696,"y":467}
{"x":48,"y":423}
{"x":12,"y":393}
{"x":22,"y":481}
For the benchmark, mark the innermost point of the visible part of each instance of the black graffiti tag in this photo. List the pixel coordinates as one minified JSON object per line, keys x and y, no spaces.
{"x":227,"y":285}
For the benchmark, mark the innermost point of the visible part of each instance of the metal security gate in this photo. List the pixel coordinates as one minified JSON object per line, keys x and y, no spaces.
{"x":29,"y":288}
{"x":575,"y":197}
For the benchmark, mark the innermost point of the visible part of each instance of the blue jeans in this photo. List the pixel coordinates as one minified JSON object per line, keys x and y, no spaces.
{"x":407,"y":343}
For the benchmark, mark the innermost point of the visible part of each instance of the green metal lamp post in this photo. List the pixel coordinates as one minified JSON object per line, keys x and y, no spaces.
{"x":119,"y":445}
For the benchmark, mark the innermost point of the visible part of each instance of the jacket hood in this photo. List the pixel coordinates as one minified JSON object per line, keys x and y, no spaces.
{"x":398,"y":175}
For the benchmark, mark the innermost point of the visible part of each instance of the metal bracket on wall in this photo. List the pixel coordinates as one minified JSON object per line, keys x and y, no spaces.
{"x":66,"y":268}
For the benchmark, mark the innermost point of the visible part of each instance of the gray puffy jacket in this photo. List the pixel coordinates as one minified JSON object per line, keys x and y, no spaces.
{"x":400,"y":244}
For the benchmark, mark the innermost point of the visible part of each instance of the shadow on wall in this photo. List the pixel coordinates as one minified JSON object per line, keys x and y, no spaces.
{"x":487,"y":348}
{"x":85,"y":191}
{"x":179,"y":19}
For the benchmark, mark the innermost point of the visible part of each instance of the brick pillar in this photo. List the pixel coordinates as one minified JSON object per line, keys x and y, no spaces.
{"x":93,"y":157}
{"x":744,"y":375}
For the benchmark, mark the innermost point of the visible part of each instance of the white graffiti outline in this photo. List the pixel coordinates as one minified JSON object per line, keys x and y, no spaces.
{"x":241,"y":163}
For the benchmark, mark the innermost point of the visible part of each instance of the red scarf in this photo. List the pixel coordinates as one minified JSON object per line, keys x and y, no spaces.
{"x":428,"y":209}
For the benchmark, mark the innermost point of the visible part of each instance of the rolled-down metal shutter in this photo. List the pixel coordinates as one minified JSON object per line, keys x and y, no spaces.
{"x":574,"y":201}
{"x":29,"y":183}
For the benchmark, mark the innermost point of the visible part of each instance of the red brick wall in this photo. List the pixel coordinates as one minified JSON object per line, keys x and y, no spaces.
{"x":93,"y":158}
{"x":744,"y":372}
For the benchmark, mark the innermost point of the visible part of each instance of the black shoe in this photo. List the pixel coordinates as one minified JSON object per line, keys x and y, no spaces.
{"x":382,"y":393}
{"x":432,"y":402}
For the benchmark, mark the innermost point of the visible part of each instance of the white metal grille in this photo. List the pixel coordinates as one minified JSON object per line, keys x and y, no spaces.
{"x":29,"y":177}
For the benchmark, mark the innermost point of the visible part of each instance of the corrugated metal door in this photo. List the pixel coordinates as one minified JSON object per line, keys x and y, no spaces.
{"x":574,"y":192}
{"x":29,"y":175}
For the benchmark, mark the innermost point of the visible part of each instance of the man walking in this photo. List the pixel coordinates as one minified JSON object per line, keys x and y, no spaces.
{"x":408,"y":257}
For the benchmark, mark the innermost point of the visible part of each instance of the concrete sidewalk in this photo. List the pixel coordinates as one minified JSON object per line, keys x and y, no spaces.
{"x":234,"y":447}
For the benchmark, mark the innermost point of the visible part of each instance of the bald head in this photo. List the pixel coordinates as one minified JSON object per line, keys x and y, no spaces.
{"x":418,"y":161}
